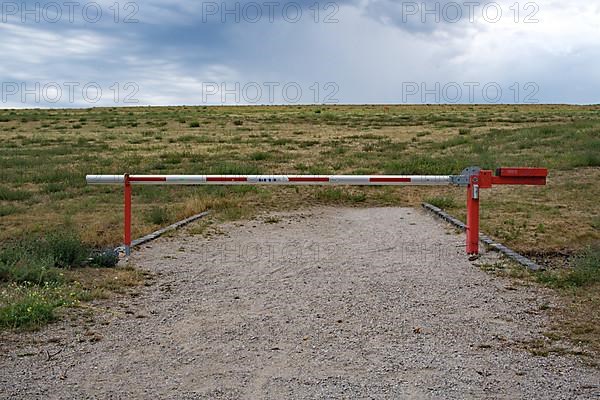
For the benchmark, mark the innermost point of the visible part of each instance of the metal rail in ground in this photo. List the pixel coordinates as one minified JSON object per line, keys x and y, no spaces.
{"x":156,"y":234}
{"x":513,"y":255}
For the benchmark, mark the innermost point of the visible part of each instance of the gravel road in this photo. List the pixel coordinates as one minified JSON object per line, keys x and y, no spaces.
{"x":328,"y":303}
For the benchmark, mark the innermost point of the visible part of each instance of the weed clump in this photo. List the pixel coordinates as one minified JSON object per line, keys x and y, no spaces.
{"x":7,"y":194}
{"x":104,"y":259}
{"x":157,"y":216}
{"x":66,"y":249}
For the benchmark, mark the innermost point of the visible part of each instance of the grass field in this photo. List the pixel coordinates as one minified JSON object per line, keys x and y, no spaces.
{"x":45,"y":155}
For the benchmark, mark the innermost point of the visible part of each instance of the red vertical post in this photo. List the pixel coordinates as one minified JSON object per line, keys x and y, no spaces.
{"x":473,"y":215}
{"x":127,"y":216}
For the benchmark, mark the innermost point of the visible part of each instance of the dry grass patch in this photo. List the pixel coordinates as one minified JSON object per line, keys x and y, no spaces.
{"x":100,"y":283}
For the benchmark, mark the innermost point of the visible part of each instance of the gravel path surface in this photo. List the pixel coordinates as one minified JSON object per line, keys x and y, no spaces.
{"x":323,"y":304}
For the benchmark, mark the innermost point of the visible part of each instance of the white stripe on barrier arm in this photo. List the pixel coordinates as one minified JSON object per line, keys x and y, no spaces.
{"x":105,"y":179}
{"x":358,"y":180}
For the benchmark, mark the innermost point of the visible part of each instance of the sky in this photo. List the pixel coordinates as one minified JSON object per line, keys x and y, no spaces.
{"x":184,"y":52}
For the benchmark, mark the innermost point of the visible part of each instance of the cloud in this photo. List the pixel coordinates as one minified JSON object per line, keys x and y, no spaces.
{"x":427,"y":16}
{"x":369,"y":50}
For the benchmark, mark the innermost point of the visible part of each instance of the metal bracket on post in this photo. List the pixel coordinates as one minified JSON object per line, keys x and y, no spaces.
{"x":127,"y":215}
{"x":465,"y":176}
{"x":474,"y":178}
{"x":469,"y":178}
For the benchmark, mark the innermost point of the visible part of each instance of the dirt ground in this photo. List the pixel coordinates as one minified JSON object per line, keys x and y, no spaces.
{"x":376,"y":303}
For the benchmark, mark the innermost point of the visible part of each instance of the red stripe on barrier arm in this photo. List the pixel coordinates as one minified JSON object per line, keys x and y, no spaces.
{"x":227,"y":179}
{"x":389,"y":180}
{"x":308,"y":179}
{"x":147,"y":179}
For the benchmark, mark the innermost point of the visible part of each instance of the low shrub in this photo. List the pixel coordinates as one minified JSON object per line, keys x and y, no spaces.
{"x":36,"y":260}
{"x":66,"y":249}
{"x":104,"y":259}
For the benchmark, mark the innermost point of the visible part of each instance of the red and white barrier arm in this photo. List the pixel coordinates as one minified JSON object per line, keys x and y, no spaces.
{"x":358,"y":180}
{"x":473,"y":178}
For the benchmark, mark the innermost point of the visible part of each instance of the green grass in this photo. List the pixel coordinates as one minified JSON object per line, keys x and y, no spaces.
{"x":65,"y":247}
{"x":595,"y":223}
{"x":8,"y":194}
{"x":54,"y":188}
{"x":37,"y":260}
{"x":32,"y":278}
{"x":260,"y":156}
{"x":31,"y":307}
{"x":158,"y":216}
{"x":6,"y":210}
{"x":41,"y":274}
{"x":33,"y":270}
{"x":585,"y":272}
{"x":443,"y":202}
{"x":577,"y":317}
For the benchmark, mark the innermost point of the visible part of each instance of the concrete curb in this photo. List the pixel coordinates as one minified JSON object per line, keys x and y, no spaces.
{"x":155,"y":235}
{"x":513,"y":255}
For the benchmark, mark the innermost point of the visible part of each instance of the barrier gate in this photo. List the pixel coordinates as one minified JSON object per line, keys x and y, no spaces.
{"x":473,"y":178}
